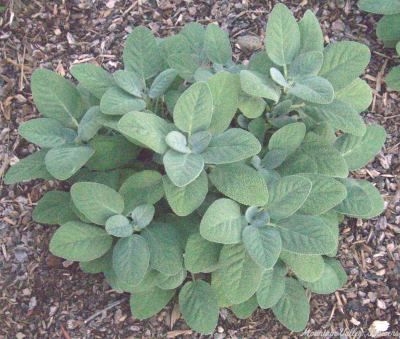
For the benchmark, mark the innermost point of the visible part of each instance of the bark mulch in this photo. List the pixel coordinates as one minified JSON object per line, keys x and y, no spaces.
{"x":42,"y":296}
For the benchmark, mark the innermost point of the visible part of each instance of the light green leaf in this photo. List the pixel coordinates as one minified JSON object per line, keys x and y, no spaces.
{"x":201,"y":255}
{"x":259,"y":85}
{"x":185,"y":200}
{"x":169,"y":282}
{"x":90,"y":124}
{"x":260,"y":63}
{"x":251,"y":107}
{"x":278,"y":77}
{"x":142,"y":216}
{"x":306,"y":235}
{"x":309,"y":27}
{"x":274,"y":158}
{"x":306,"y":64}
{"x":224,"y":89}
{"x":393,"y":78}
{"x":288,"y":138}
{"x":282,"y":108}
{"x":333,"y":277}
{"x":166,"y":254}
{"x":256,"y":216}
{"x":184,"y":64}
{"x":147,"y":129}
{"x":293,"y":309}
{"x":239,"y":273}
{"x":129,"y":82}
{"x":217,"y":45}
{"x":358,"y":151}
{"x":313,"y":89}
{"x":380,"y":7}
{"x":117,"y":102}
{"x":272,"y":286}
{"x":64,"y":161}
{"x":241,"y":183}
{"x":101,"y":264}
{"x":31,"y":167}
{"x":199,"y":141}
{"x":357,"y":94}
{"x":343,"y":62}
{"x":177,"y":141}
{"x":194,"y":108}
{"x":287,"y":195}
{"x":388,"y":30}
{"x":305,"y":267}
{"x":282,"y":36}
{"x":246,"y":308}
{"x":194,"y":34}
{"x":231,"y":146}
{"x":77,"y":241}
{"x":131,"y":257}
{"x":94,"y":78}
{"x":46,"y":132}
{"x":199,"y":306}
{"x":325,"y":194}
{"x":363,"y":200}
{"x":181,"y":168}
{"x":144,"y":187}
{"x":263,"y":244}
{"x":96,"y":201}
{"x":56,"y":97}
{"x":222,"y":222}
{"x":141,"y":53}
{"x":119,"y":226}
{"x":54,"y":208}
{"x":162,"y":82}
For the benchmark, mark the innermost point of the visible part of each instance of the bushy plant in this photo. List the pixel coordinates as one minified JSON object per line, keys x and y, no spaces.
{"x":388,"y":31}
{"x":187,"y":162}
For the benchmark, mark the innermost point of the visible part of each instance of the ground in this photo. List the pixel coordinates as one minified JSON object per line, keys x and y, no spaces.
{"x":42,"y":296}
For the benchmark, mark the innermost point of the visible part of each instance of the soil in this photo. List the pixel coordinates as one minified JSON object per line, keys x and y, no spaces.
{"x":42,"y":296}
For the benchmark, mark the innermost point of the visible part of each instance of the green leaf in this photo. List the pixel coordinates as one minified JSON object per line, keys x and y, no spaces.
{"x":166,"y":254}
{"x":305,"y":267}
{"x":258,"y":127}
{"x":90,"y":123}
{"x":64,"y":161}
{"x":129,"y":82}
{"x":282,"y":108}
{"x":194,"y":34}
{"x":185,"y":200}
{"x":199,"y":141}
{"x":314,"y":157}
{"x":313,"y":89}
{"x":201,"y":255}
{"x":101,"y":264}
{"x":111,"y":151}
{"x":288,"y":138}
{"x":240,"y":274}
{"x":222,"y":222}
{"x":131,"y":257}
{"x":94,"y":78}
{"x":217,"y":45}
{"x":119,"y":226}
{"x":256,"y":216}
{"x":184,"y":64}
{"x":293,"y":309}
{"x":181,"y":168}
{"x":143,"y":215}
{"x":251,"y":107}
{"x":56,"y":97}
{"x":194,"y":108}
{"x":287,"y":196}
{"x":144,"y":187}
{"x":96,"y":201}
{"x":306,"y":235}
{"x":77,"y":241}
{"x":259,"y":85}
{"x":357,"y":94}
{"x":388,"y":30}
{"x":169,"y":282}
{"x":260,"y":63}
{"x":380,"y":7}
{"x":325,"y":194}
{"x":263,"y":244}
{"x":31,"y":167}
{"x":306,"y":64}
{"x":46,"y":132}
{"x":282,"y":36}
{"x":148,"y":303}
{"x":358,"y":151}
{"x":54,"y":208}
{"x":241,"y":183}
{"x":309,"y":27}
{"x":278,"y":77}
{"x":162,"y":82}
{"x":272,"y":286}
{"x":199,"y":306}
{"x":363,"y":200}
{"x":246,"y":308}
{"x":339,"y":115}
{"x":141,"y":53}
{"x":231,"y":146}
{"x":274,"y":158}
{"x":393,"y":78}
{"x":117,"y":102}
{"x":178,"y":142}
{"x":343,"y":62}
{"x":225,"y":88}
{"x":333,"y":277}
